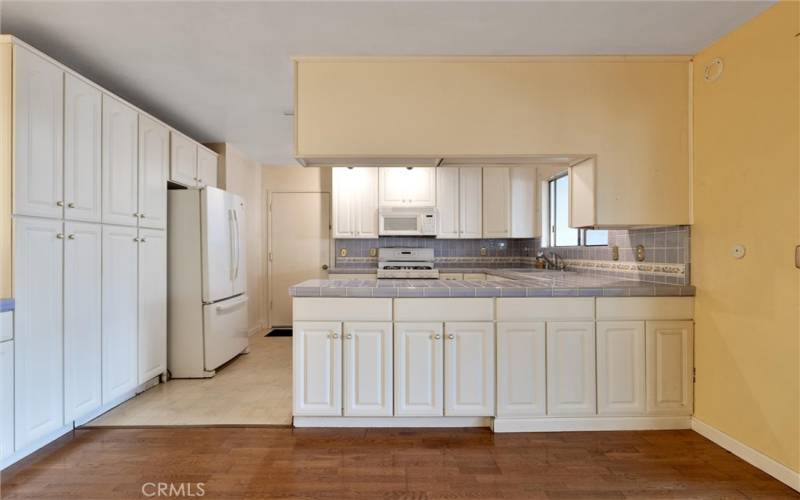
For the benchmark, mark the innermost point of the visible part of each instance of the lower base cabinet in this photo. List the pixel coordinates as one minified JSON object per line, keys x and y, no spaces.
{"x":521,"y":369}
{"x":367,"y":369}
{"x":418,"y":370}
{"x":469,"y":369}
{"x":571,"y":368}
{"x":317,"y":365}
{"x":670,"y":362}
{"x":6,"y":399}
{"x":620,"y":368}
{"x":152,"y":322}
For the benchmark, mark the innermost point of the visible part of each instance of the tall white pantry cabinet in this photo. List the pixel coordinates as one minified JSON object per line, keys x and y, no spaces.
{"x":89,"y":256}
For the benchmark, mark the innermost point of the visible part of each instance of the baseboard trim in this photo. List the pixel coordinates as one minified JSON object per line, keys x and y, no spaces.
{"x":35,"y":446}
{"x":570,"y":424}
{"x":755,"y":458}
{"x":392,"y":421}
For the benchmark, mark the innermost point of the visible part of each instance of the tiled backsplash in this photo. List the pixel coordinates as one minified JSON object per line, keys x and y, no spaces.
{"x":667,"y":258}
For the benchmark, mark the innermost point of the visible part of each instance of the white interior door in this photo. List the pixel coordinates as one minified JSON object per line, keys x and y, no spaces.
{"x":521,"y":370}
{"x":152,"y":304}
{"x":469,"y":369}
{"x":120,"y":310}
{"x":299,"y":246}
{"x":82,"y":147}
{"x":82,"y":319}
{"x":418,"y":369}
{"x":317,"y":365}
{"x":620,"y":368}
{"x":368,"y":369}
{"x":38,"y":135}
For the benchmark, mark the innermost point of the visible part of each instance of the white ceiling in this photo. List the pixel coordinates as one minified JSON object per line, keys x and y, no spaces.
{"x":221,"y":71}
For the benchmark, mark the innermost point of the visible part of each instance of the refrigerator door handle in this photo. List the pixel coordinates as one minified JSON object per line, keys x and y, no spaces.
{"x":232,"y":244}
{"x":238,"y":243}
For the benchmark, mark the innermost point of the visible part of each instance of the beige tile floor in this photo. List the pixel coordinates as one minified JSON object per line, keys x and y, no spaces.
{"x":254,"y":389}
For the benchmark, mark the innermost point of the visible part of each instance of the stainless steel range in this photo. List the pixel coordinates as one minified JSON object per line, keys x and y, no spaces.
{"x":406,"y":263}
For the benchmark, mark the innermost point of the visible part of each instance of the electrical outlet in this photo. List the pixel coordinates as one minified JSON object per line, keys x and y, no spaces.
{"x":484,"y":253}
{"x":615,"y":252}
{"x":342,"y":252}
{"x":640,"y":253}
{"x":373,"y":252}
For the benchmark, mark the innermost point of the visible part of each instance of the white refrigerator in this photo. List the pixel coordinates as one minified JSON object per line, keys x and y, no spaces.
{"x":207,"y":307}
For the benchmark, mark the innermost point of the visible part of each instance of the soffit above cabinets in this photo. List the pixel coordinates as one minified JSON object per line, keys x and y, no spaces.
{"x":441,"y":161}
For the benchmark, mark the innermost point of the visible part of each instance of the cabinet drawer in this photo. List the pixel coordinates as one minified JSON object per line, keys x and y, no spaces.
{"x":645,"y":308}
{"x":322,"y":309}
{"x":545,"y":309}
{"x":6,"y":325}
{"x":431,"y":309}
{"x":451,"y":276}
{"x":353,"y":276}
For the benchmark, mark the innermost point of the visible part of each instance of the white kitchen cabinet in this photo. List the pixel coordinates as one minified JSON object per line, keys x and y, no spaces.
{"x":38,"y":329}
{"x":82,"y":319}
{"x":496,"y":202}
{"x":523,"y":202}
{"x":317,"y":353}
{"x":120,"y":163}
{"x":183,"y":160}
{"x":153,"y":173}
{"x":620,"y":368}
{"x":38,"y":135}
{"x":469,"y":362}
{"x":670,"y":365}
{"x":207,"y":166}
{"x":459,"y":201}
{"x":571,"y":368}
{"x":368,"y":363}
{"x":407,"y":187}
{"x":152,"y":338}
{"x":418,"y":370}
{"x":83,"y":126}
{"x":355,"y":202}
{"x":6,"y":398}
{"x":120,"y":311}
{"x":521,"y":369}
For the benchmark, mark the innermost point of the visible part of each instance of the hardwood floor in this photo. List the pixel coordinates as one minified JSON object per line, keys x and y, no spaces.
{"x":385,"y":463}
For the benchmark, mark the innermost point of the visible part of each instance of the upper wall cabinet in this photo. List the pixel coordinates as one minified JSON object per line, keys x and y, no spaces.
{"x":38,"y":135}
{"x":496,"y":202}
{"x":345,"y":107}
{"x":459,"y":200}
{"x":523,"y":202}
{"x":207,"y":165}
{"x":183,"y":161}
{"x":355,"y":202}
{"x":153,"y":173}
{"x":120,"y":163}
{"x":82,"y":149}
{"x":407,"y":187}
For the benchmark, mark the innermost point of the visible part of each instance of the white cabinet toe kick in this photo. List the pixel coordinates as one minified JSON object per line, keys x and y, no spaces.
{"x":511,"y":364}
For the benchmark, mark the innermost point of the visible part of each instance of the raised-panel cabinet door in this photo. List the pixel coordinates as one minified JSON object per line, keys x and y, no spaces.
{"x":447,"y":200}
{"x":120,"y":163}
{"x":183,"y":160}
{"x":670,"y":363}
{"x":620,"y":368}
{"x":343,"y":217}
{"x":207,"y":165}
{"x":38,"y":136}
{"x":6,"y":398}
{"x":496,"y":202}
{"x":366,"y":203}
{"x":571,"y":368}
{"x":469,"y":369}
{"x":317,"y":354}
{"x":82,"y":319}
{"x":418,"y":369}
{"x":523,"y":202}
{"x":521,"y":370}
{"x":153,"y":173}
{"x":38,"y":328}
{"x":471,"y":202}
{"x":407,"y":187}
{"x":120,"y":310}
{"x":83,"y":125}
{"x":368,"y":369}
{"x":152,"y":303}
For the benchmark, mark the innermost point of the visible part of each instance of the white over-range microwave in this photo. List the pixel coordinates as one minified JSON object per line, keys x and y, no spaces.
{"x":407,"y":221}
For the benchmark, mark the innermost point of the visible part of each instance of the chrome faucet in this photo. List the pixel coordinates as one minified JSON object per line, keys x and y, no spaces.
{"x":554,"y":261}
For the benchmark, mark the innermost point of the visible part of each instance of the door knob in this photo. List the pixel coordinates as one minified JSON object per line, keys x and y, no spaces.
{"x":324,"y":267}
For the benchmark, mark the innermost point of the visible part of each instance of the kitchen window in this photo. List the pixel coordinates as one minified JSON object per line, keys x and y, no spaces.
{"x":557,"y":218}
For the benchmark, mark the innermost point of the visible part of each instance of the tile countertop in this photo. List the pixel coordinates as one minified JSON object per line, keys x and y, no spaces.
{"x":517,"y":283}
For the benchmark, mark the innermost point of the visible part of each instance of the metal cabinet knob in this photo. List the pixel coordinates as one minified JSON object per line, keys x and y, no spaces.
{"x":60,"y":236}
{"x":349,"y":336}
{"x":71,"y":236}
{"x":324,"y":267}
{"x":335,"y":336}
{"x":59,"y":203}
{"x":451,"y":336}
{"x":141,"y":216}
{"x":142,"y":240}
{"x":71,"y":205}
{"x":437,"y":337}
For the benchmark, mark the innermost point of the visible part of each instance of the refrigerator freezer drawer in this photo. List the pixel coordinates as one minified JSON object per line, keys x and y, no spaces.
{"x":225,"y":328}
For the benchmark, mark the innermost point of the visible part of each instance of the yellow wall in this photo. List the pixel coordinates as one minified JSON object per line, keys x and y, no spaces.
{"x":746,"y":175}
{"x":242,"y":175}
{"x":632,"y":112}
